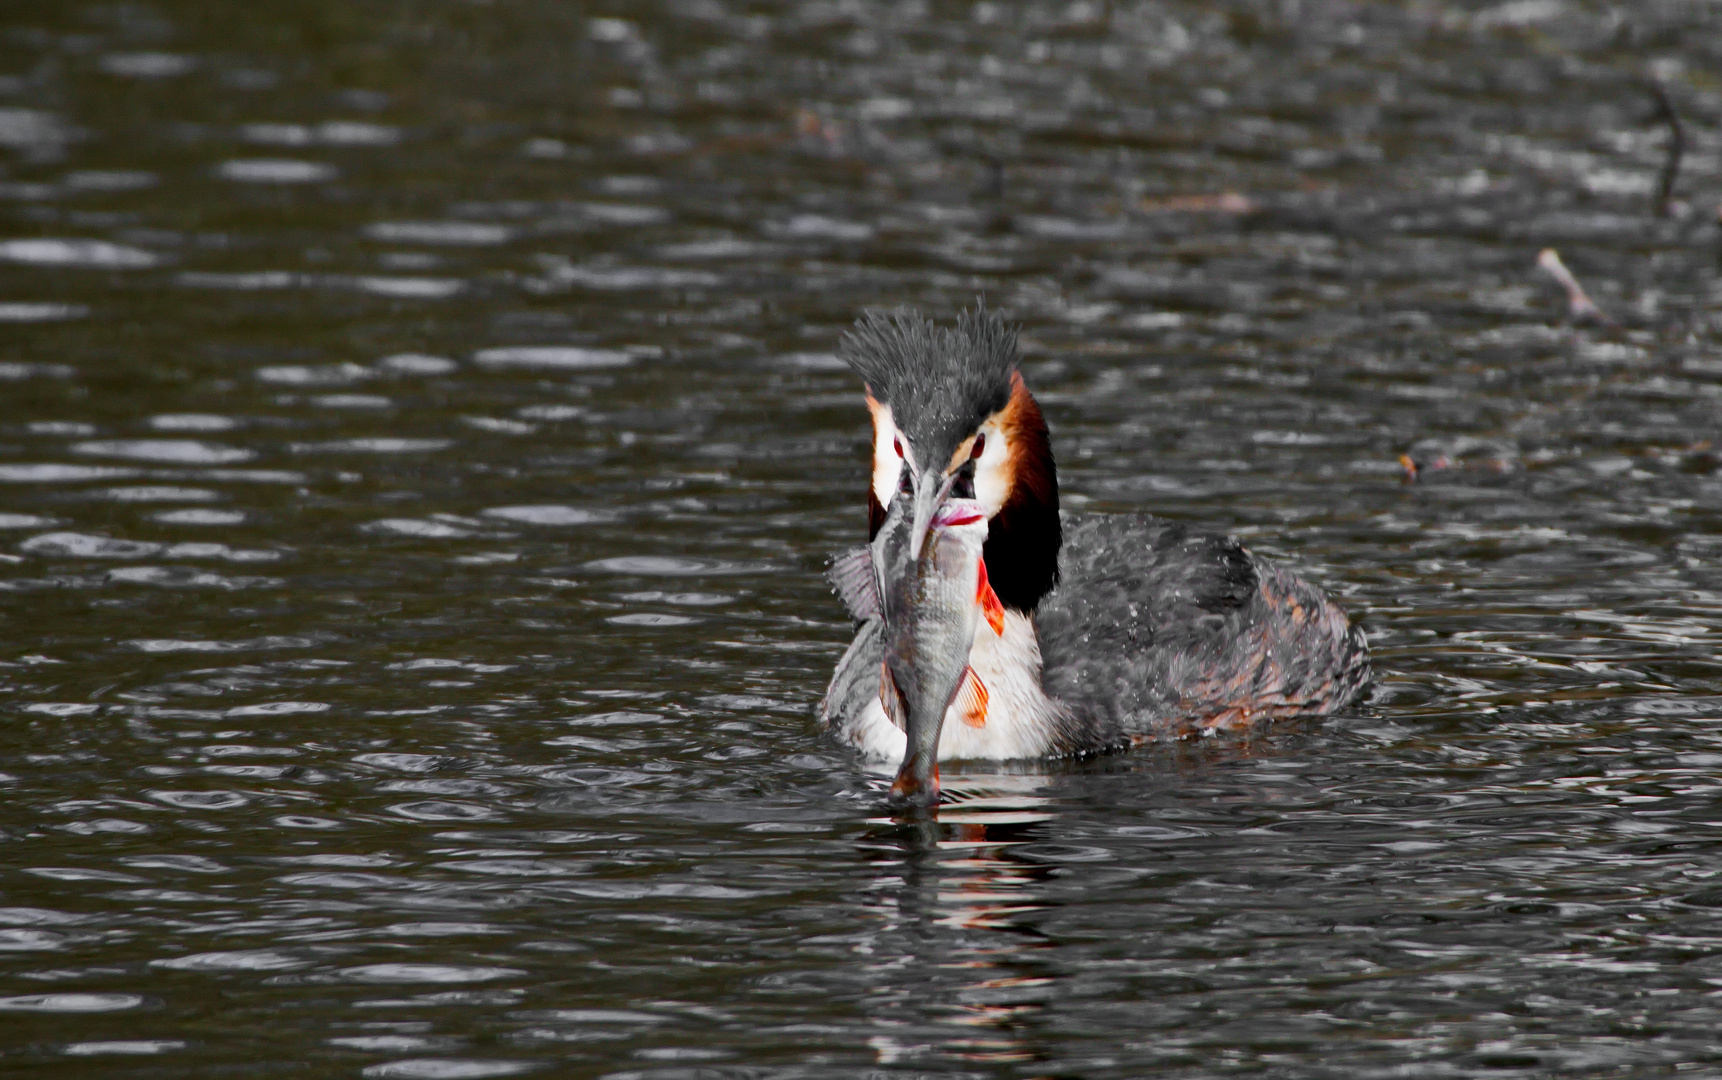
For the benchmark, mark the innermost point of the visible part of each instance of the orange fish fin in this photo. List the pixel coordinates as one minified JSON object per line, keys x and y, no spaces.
{"x":989,"y":601}
{"x":972,"y":700}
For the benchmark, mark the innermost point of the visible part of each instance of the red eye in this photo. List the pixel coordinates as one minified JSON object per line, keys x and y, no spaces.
{"x":980,"y":447}
{"x":897,"y":447}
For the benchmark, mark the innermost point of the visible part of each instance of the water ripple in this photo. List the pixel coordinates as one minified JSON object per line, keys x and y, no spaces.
{"x":77,"y":254}
{"x":275,"y":171}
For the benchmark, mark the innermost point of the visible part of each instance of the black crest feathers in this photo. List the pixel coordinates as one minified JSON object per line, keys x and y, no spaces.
{"x":941,"y":383}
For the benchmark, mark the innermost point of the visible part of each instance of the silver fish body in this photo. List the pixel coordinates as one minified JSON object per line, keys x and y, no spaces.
{"x":931,"y":609}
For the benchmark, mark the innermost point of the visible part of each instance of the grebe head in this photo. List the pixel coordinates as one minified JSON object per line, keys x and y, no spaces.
{"x":953,"y":419}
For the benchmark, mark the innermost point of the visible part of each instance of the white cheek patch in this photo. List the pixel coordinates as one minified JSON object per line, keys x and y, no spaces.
{"x":992,"y":470}
{"x":887,"y":466}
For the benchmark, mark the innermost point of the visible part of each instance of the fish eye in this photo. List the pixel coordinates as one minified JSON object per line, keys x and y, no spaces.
{"x":980,"y":446}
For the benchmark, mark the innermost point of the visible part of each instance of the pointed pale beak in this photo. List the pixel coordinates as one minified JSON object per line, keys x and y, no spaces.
{"x":931,"y":491}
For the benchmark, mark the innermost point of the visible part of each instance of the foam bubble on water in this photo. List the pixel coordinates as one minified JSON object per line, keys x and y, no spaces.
{"x":1518,"y":13}
{"x":549,"y":149}
{"x":71,"y":545}
{"x":692,"y":599}
{"x":651,"y":618}
{"x":123,"y":1046}
{"x":25,"y":312}
{"x":204,"y":550}
{"x":253,"y":476}
{"x":417,"y":364}
{"x":488,"y":558}
{"x":550,"y":412}
{"x":426,"y":973}
{"x":567,"y":357}
{"x":279,"y":708}
{"x":305,"y":821}
{"x":727,"y":248}
{"x":460,"y":233}
{"x":303,"y":375}
{"x":147,"y":65}
{"x":611,"y":30}
{"x":109,"y":180}
{"x":661,"y":566}
{"x":442,"y":810}
{"x":620,"y":278}
{"x":12,"y":371}
{"x":446,"y":1069}
{"x":431,"y":530}
{"x":192,"y":422}
{"x":77,"y":254}
{"x":819,"y":227}
{"x":194,"y":864}
{"x":200,"y":517}
{"x":277,"y":134}
{"x":62,"y":708}
{"x":82,"y":873}
{"x":328,"y":133}
{"x":434,"y":663}
{"x":275,"y":171}
{"x":70,"y":1003}
{"x":175,"y":645}
{"x":19,"y":940}
{"x":33,"y":916}
{"x":549,"y":515}
{"x":200,"y":800}
{"x":356,"y":133}
{"x":499,"y":425}
{"x":53,"y":473}
{"x":374,"y":446}
{"x":807,"y":361}
{"x":179,"y":451}
{"x":352,"y":401}
{"x":410,"y":288}
{"x":383,"y":1042}
{"x":32,"y":129}
{"x":263,"y":279}
{"x":235,"y":960}
{"x":623,"y":214}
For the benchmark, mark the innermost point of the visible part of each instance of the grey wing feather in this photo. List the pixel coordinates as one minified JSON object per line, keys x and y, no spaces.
{"x":1157,"y":630}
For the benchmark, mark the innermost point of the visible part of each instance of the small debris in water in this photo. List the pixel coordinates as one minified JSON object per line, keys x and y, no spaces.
{"x":1579,"y":305}
{"x":1225,"y":202}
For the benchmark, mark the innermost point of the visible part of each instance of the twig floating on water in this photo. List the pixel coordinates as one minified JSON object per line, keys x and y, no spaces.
{"x":1225,"y":202}
{"x":1676,"y":148}
{"x":1579,"y":305}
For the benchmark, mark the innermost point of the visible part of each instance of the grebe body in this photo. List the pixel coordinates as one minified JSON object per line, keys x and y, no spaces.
{"x":1099,"y":631}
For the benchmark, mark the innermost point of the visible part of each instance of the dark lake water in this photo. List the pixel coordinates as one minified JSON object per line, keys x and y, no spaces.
{"x":421,"y":442}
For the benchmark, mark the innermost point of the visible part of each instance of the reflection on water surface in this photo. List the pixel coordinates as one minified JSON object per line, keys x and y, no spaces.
{"x":421,"y":443}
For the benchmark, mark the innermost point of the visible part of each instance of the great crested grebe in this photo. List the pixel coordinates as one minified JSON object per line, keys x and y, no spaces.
{"x":1090,"y":632}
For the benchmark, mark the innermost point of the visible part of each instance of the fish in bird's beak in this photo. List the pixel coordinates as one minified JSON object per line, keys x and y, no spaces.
{"x":931,"y":599}
{"x":931,"y":489}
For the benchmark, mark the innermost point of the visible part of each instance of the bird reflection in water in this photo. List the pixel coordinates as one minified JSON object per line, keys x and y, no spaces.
{"x":959,"y":956}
